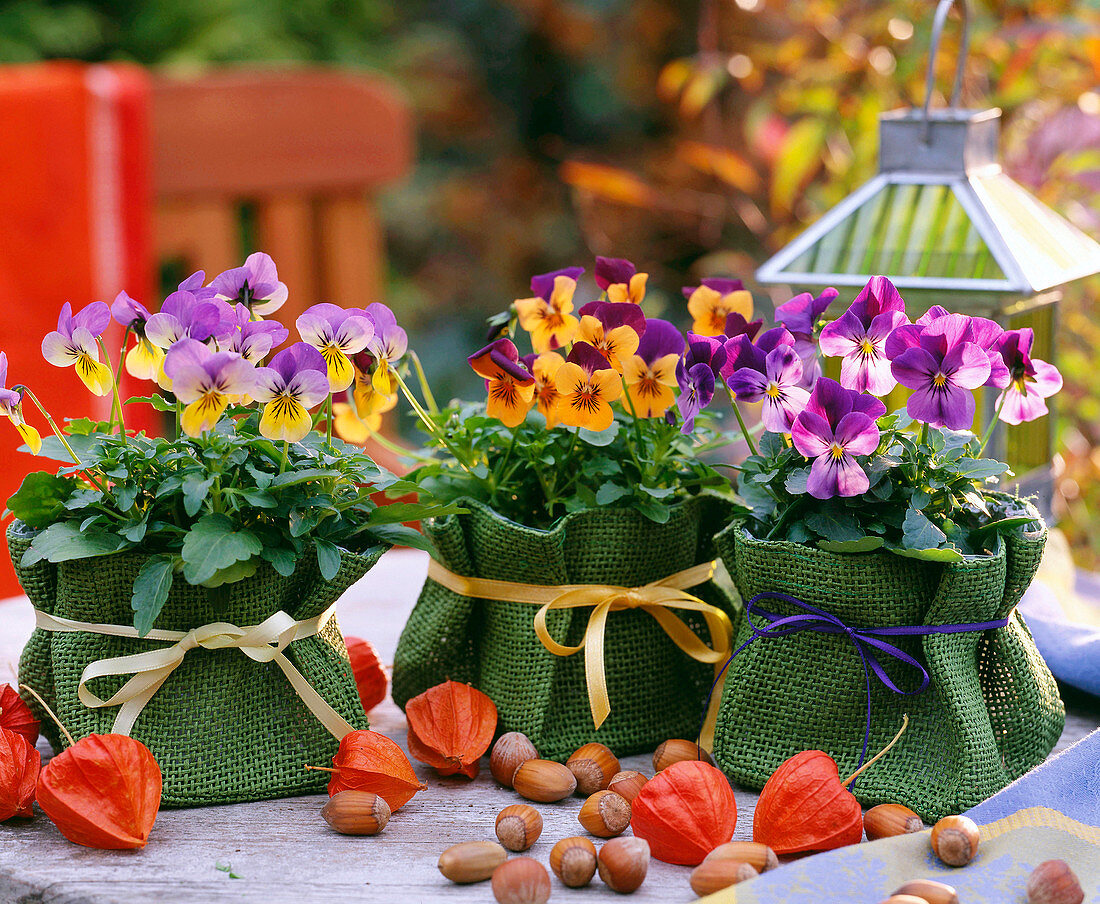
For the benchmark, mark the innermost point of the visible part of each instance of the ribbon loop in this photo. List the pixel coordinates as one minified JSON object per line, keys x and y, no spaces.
{"x":657,"y":599}
{"x":264,"y":642}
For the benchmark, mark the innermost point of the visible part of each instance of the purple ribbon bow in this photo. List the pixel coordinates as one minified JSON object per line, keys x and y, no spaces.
{"x":866,"y":641}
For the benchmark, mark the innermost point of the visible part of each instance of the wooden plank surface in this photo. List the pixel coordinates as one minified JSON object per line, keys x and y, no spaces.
{"x":283,"y":851}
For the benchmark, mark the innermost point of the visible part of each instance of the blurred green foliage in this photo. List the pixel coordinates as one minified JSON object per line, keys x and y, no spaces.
{"x":688,"y":135}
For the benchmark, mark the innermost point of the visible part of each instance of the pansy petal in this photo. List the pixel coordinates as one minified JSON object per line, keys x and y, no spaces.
{"x":811,"y":434}
{"x":164,"y":329}
{"x":748,"y":384}
{"x":57,"y":350}
{"x":143,"y":360}
{"x":967,"y":364}
{"x":203,"y":413}
{"x":95,"y":318}
{"x":285,"y":420}
{"x":857,"y":433}
{"x":914,"y":367}
{"x":31,"y":436}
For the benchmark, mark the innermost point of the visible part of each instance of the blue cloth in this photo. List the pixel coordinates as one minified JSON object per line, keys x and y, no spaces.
{"x":1070,"y":647}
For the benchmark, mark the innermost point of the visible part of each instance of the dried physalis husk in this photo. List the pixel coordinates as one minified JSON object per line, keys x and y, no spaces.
{"x":370,"y":675}
{"x":450,"y":726}
{"x":511,"y":751}
{"x":19,"y":767}
{"x":16,"y":716}
{"x":102,"y":792}
{"x":714,"y":875}
{"x":369,"y":761}
{"x":594,"y":765}
{"x":677,"y":750}
{"x":356,"y":813}
{"x":685,"y":812}
{"x":761,"y":857}
{"x":573,"y":860}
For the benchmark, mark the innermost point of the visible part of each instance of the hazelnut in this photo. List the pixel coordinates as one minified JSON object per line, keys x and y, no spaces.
{"x":761,"y":857}
{"x":904,"y":899}
{"x":955,"y":840}
{"x":518,"y":827}
{"x":714,"y":875}
{"x":929,"y":890}
{"x":676,"y":750}
{"x":521,"y":881}
{"x":627,"y":784}
{"x":1053,"y":882}
{"x":356,"y":813}
{"x":510,"y":750}
{"x":573,"y":860}
{"x":471,"y":861}
{"x":888,"y":820}
{"x":594,"y":765}
{"x":544,"y":781}
{"x":605,"y":814}
{"x":623,"y":862}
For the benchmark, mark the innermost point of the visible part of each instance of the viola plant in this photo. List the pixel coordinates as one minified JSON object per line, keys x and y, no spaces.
{"x":593,"y":416}
{"x":251,"y":472}
{"x":834,"y":468}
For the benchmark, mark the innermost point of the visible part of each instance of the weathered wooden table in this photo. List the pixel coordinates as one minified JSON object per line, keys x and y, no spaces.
{"x":282,"y":852}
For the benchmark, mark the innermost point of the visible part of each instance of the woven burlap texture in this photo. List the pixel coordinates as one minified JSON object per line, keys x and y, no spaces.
{"x":656,"y":690}
{"x":223,"y":728}
{"x":990,"y":713}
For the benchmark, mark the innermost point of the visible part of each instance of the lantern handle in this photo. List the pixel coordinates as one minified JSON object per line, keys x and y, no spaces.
{"x":942,"y":10}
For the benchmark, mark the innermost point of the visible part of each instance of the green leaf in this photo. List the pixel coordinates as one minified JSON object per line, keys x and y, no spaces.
{"x":150,"y":591}
{"x":611,"y":492}
{"x":238,"y":571}
{"x":834,"y":525}
{"x":213,"y":545}
{"x":980,"y":468}
{"x":328,"y":558}
{"x":40,"y":498}
{"x":64,"y":541}
{"x":599,"y":438}
{"x":303,"y":476}
{"x":920,"y":533}
{"x":283,"y":560}
{"x":943,"y":554}
{"x":256,"y":497}
{"x":195,"y":492}
{"x":795,"y":484}
{"x":83,"y":426}
{"x":652,"y":509}
{"x":135,"y":531}
{"x":158,"y":402}
{"x":401,"y":535}
{"x":863,"y":544}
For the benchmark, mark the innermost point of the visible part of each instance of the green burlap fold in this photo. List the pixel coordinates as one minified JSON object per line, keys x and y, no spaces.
{"x":223,"y":727}
{"x":990,"y":713}
{"x":656,"y":690}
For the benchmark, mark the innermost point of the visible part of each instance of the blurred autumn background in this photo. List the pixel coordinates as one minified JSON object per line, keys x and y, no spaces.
{"x":692,"y":137}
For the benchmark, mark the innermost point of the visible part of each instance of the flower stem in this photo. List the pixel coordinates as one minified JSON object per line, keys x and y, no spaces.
{"x":740,"y":420}
{"x":114,"y":389}
{"x":387,"y":443}
{"x":328,"y":420}
{"x":121,"y":359}
{"x":30,"y":690}
{"x":993,"y":423}
{"x":286,"y":455}
{"x":424,"y":386}
{"x":433,"y":428}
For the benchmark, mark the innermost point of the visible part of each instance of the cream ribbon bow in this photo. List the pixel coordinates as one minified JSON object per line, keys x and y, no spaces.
{"x":264,"y":642}
{"x":656,"y":598}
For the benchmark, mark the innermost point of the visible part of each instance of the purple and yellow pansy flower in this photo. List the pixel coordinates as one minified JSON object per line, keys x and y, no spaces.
{"x":511,"y":386}
{"x":650,"y":375}
{"x":355,"y":422}
{"x":1031,"y":381}
{"x":587,"y":385}
{"x":387,"y":347}
{"x":696,"y":372}
{"x":73,"y":343}
{"x":620,"y":279}
{"x":548,"y":315}
{"x":253,"y":339}
{"x":295,"y":381}
{"x":544,"y":367}
{"x":715,"y":299}
{"x":777,"y":386}
{"x":337,"y":333}
{"x":255,"y":285}
{"x":143,"y":360}
{"x":206,"y":382}
{"x":858,"y":337}
{"x":612,"y":329}
{"x":11,"y":406}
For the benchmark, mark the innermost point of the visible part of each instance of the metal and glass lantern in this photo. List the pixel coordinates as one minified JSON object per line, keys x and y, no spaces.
{"x":947,"y":226}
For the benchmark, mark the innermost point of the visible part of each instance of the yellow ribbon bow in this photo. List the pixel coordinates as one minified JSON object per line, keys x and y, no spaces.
{"x":655,"y":598}
{"x":264,"y":642}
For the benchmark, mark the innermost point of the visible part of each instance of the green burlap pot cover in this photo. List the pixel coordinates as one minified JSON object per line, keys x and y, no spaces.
{"x":656,"y":690}
{"x":990,"y":713}
{"x":223,"y":727}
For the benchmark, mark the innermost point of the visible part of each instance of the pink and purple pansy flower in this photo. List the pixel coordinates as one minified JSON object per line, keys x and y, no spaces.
{"x":255,"y":285}
{"x":337,"y":333}
{"x":983,"y":332}
{"x":73,"y":343}
{"x":206,"y":382}
{"x":295,"y":381}
{"x":942,"y":370}
{"x":801,"y":315}
{"x":744,"y":351}
{"x":184,"y":316}
{"x":253,"y":339}
{"x":859,"y":337}
{"x":695,"y":373}
{"x":1031,"y":381}
{"x":836,"y":425}
{"x":777,"y":386}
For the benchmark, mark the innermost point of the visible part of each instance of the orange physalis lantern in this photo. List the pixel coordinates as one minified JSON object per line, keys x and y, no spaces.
{"x":369,"y":761}
{"x":366,"y":666}
{"x":102,"y":792}
{"x":450,"y":726}
{"x":16,"y":716}
{"x":685,"y":812}
{"x":19,"y":765}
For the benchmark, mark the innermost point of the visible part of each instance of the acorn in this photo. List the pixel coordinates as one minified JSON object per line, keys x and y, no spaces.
{"x":955,"y":840}
{"x":1053,"y":882}
{"x":605,"y":814}
{"x":471,"y":861}
{"x":761,"y":857}
{"x":888,"y":820}
{"x":356,"y":813}
{"x":714,"y":875}
{"x":511,"y":749}
{"x":518,"y":827}
{"x":676,"y":750}
{"x":623,"y":862}
{"x":521,"y":881}
{"x":594,"y":765}
{"x":627,"y":784}
{"x":573,"y":860}
{"x":929,"y":890}
{"x":544,"y":781}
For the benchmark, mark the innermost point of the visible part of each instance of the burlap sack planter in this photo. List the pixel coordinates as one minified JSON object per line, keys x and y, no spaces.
{"x":223,"y":727}
{"x":656,"y":691}
{"x":991,"y":710}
